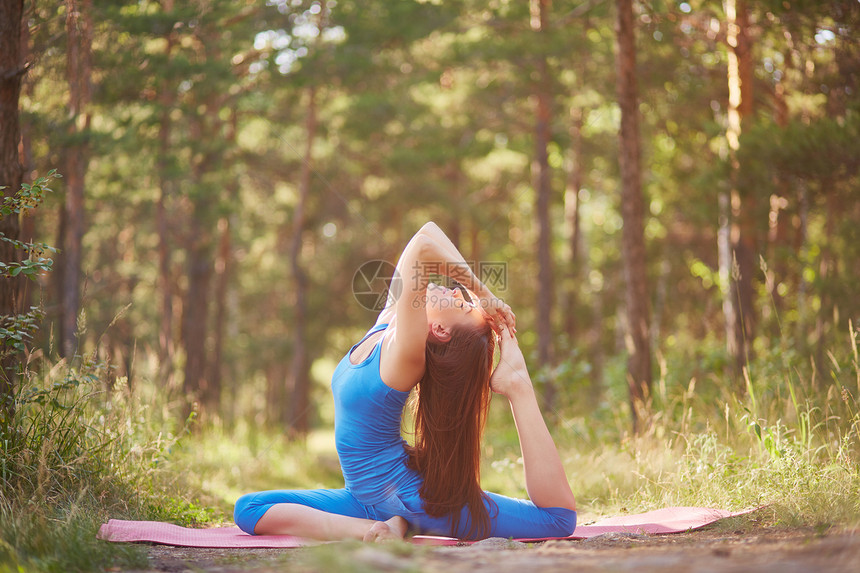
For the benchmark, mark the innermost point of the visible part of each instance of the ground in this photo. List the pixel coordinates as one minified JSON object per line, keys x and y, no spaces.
{"x":711,"y":550}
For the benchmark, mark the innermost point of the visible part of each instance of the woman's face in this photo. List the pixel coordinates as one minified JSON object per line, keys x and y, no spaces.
{"x":450,"y":307}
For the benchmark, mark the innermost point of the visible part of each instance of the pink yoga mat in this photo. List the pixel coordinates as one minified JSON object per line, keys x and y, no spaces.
{"x":659,"y":521}
{"x":169,"y":534}
{"x":667,"y":520}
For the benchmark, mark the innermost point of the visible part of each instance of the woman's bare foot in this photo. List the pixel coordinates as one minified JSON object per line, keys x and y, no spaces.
{"x":393,"y":529}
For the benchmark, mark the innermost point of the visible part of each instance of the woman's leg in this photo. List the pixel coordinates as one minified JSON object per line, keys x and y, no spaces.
{"x":323,"y":514}
{"x":546,"y":481}
{"x":519,"y":518}
{"x":509,"y":517}
{"x":303,"y":521}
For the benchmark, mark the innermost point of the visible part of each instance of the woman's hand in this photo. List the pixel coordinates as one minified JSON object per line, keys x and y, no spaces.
{"x":511,"y":375}
{"x":501,"y":313}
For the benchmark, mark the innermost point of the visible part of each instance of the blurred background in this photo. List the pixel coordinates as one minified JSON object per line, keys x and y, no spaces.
{"x":228,"y":166}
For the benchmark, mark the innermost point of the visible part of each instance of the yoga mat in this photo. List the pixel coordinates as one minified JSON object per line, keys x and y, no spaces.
{"x":657,"y":522}
{"x":661,"y":521}
{"x":169,"y":534}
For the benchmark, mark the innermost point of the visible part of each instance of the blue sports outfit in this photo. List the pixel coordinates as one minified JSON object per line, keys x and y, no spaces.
{"x":378,"y":485}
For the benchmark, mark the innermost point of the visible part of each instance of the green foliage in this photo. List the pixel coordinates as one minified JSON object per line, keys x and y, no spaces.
{"x":33,"y":539}
{"x":26,"y":199}
{"x":30,"y":196}
{"x":17,"y":331}
{"x":30,"y":268}
{"x":424,"y":111}
{"x":823,"y":150}
{"x":226,"y":462}
{"x":77,"y":452}
{"x":74,"y":447}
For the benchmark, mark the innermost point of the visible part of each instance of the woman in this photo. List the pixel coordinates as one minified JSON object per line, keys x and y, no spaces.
{"x":440,"y":341}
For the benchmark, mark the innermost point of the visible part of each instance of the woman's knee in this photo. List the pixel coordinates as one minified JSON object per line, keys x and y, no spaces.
{"x":251,"y":507}
{"x":246,"y":512}
{"x":564,"y":521}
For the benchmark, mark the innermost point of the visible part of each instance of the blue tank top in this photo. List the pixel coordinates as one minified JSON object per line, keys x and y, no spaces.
{"x":367,"y":418}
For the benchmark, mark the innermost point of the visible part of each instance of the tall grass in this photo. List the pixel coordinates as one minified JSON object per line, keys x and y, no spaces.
{"x":786,"y":439}
{"x":226,"y":461}
{"x":76,"y":453}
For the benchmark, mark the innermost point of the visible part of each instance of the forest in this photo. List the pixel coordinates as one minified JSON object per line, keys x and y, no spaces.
{"x":202,"y":200}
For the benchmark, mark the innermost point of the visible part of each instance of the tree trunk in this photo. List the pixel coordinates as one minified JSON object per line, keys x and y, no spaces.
{"x":452,"y":176}
{"x":828,"y":273}
{"x":299,"y":374}
{"x":743,"y":229}
{"x":778,"y":220}
{"x":299,"y":379}
{"x":726,"y":269}
{"x":222,"y":279}
{"x":595,"y":347}
{"x":276,"y":398}
{"x":195,"y":314}
{"x":11,"y":73}
{"x":632,"y":214}
{"x":575,"y":178}
{"x":199,"y":255}
{"x":78,"y":71}
{"x":222,"y":273}
{"x":801,"y":241}
{"x":27,"y":232}
{"x":541,"y":178}
{"x":475,"y":243}
{"x":166,"y":342}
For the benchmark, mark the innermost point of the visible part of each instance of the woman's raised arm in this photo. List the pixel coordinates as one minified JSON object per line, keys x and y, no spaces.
{"x":441,"y":257}
{"x":495,"y":307}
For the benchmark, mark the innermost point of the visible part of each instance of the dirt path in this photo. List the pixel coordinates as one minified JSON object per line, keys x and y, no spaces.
{"x":777,"y":551}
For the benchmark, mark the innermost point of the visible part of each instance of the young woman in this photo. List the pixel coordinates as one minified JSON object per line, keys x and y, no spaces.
{"x":440,"y":341}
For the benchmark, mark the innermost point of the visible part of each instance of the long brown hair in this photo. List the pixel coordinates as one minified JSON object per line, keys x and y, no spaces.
{"x":450,"y":411}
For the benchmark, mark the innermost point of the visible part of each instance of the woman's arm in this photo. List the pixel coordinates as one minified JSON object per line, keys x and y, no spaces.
{"x":546,"y":481}
{"x":495,"y":307}
{"x":443,"y":258}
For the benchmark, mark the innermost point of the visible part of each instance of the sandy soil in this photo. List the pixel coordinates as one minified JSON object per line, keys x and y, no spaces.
{"x":778,"y":551}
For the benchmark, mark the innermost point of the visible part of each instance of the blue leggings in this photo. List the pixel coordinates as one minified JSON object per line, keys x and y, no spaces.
{"x":509,"y":517}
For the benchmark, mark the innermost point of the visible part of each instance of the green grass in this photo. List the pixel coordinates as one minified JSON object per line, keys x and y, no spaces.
{"x":35,"y":538}
{"x":75,"y":454}
{"x":788,"y":438}
{"x":226,"y":462}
